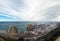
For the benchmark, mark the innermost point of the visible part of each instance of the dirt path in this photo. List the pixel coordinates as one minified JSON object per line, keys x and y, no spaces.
{"x":58,"y":39}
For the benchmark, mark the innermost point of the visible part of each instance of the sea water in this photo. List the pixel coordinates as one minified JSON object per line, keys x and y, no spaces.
{"x":21,"y":25}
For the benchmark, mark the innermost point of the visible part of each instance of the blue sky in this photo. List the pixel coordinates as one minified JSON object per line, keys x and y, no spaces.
{"x":29,"y":10}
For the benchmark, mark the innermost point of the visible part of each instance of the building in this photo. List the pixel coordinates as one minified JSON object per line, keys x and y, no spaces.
{"x":12,"y":29}
{"x":29,"y":27}
{"x":13,"y":32}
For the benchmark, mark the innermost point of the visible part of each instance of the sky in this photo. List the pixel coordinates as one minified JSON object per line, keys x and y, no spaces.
{"x":29,"y":10}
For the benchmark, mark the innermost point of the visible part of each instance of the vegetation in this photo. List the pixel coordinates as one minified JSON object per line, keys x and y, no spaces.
{"x":51,"y":36}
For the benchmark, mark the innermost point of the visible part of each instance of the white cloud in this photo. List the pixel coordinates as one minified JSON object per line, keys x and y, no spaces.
{"x":57,"y":19}
{"x":31,"y":10}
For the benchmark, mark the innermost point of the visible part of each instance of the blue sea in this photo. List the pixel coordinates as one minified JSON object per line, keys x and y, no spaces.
{"x":20,"y":25}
